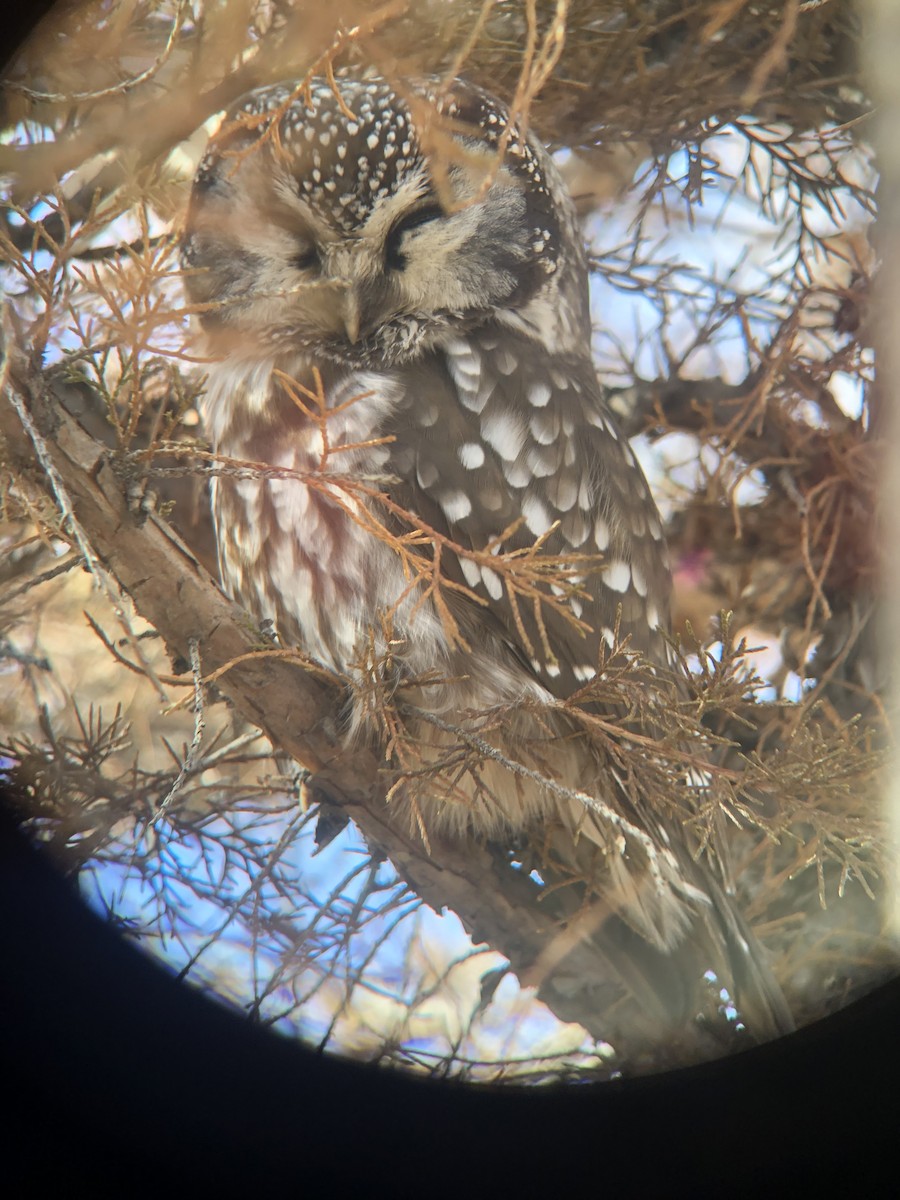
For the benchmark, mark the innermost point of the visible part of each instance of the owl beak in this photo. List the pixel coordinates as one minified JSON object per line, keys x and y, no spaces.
{"x":350,"y":314}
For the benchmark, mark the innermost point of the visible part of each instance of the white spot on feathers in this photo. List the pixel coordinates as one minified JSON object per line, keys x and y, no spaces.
{"x":504,"y":432}
{"x":536,"y":516}
{"x":617,"y":575}
{"x":456,"y":505}
{"x":471,"y":455}
{"x":538,"y":394}
{"x":493,"y":583}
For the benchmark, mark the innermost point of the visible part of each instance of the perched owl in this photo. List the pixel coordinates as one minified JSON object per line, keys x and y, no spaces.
{"x":394,"y":295}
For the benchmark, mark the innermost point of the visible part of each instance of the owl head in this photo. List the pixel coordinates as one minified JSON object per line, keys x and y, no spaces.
{"x":330,"y":219}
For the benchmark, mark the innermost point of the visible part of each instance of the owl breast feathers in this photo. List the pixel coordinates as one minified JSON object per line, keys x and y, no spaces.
{"x":394,"y":292}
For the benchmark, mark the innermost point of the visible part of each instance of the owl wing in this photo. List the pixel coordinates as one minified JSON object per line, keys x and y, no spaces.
{"x":482,"y":438}
{"x":488,"y":437}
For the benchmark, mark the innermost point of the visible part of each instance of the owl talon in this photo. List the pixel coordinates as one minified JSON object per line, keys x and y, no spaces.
{"x":312,"y":794}
{"x":268,"y":632}
{"x":141,"y":499}
{"x":330,"y":824}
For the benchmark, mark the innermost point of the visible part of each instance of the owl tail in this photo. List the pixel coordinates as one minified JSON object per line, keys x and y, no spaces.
{"x":757,"y":993}
{"x":635,"y":956}
{"x":635,"y":924}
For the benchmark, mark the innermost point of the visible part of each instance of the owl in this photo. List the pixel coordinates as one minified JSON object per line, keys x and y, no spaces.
{"x":393,"y":294}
